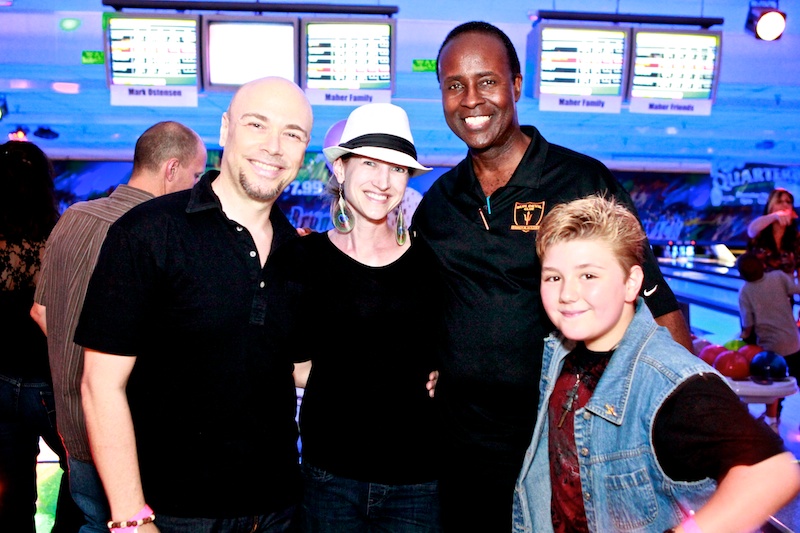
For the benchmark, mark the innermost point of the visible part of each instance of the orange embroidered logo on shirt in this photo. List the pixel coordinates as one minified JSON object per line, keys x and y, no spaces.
{"x":527,"y":216}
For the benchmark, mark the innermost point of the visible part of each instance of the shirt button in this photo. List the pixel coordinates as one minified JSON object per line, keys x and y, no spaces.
{"x":585,"y":452}
{"x":253,"y":254}
{"x":587,"y":496}
{"x":262,"y":284}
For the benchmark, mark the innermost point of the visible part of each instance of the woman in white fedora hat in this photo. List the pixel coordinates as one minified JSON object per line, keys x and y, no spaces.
{"x":369,"y":291}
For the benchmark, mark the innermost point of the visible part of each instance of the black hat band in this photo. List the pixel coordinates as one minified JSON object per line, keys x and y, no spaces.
{"x":382,"y":140}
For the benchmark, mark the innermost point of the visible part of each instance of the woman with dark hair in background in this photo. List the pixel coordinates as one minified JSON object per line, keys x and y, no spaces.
{"x":774,"y":239}
{"x":28,"y":213}
{"x":773,"y":235}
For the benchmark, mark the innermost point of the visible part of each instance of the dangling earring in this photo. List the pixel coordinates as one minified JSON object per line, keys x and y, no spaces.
{"x":401,"y":233}
{"x":341,"y":216}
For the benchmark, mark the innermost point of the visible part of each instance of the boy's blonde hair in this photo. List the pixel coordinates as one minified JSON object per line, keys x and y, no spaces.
{"x":595,"y":218}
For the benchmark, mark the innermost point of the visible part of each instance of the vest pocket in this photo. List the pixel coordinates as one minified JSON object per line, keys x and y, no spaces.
{"x":631,"y":498}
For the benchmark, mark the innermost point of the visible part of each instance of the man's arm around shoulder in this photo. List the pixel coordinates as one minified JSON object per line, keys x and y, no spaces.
{"x":675,"y":322}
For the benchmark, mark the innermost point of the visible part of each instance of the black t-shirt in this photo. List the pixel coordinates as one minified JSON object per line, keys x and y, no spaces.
{"x":366,"y":413}
{"x":703,"y":430}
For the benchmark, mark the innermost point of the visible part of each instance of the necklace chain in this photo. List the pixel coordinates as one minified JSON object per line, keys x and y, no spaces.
{"x":572,"y":396}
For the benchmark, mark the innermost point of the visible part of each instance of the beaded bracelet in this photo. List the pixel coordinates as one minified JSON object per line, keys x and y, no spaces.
{"x":690,"y":526}
{"x":145,"y":516}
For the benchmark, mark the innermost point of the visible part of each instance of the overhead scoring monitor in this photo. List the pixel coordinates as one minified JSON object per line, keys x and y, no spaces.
{"x":151,"y":59}
{"x":238,"y":49}
{"x":675,"y":71}
{"x":152,"y":50}
{"x":579,"y":67}
{"x":345,"y":59}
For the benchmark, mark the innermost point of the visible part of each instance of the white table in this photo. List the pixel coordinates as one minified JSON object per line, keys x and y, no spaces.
{"x":752,"y":392}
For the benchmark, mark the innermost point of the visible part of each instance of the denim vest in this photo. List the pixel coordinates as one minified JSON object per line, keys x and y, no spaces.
{"x":624,"y":487}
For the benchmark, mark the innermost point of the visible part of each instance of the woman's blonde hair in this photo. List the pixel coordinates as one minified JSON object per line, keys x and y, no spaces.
{"x":774,"y":196}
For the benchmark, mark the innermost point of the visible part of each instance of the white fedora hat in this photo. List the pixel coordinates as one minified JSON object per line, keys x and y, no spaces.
{"x":378,"y":131}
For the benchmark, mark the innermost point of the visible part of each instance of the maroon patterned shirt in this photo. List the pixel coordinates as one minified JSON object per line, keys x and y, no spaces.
{"x":579,"y":376}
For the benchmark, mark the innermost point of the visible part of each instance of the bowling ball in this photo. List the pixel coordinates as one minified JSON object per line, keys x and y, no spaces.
{"x":767,"y":367}
{"x":750,"y":350}
{"x":734,"y":344}
{"x":732,"y":364}
{"x":710,"y":353}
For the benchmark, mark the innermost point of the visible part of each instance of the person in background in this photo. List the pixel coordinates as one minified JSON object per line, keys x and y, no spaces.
{"x":634,"y":432}
{"x":481,"y":220}
{"x":765,"y":310}
{"x":191,"y":423}
{"x":773,"y":235}
{"x":168,"y":157}
{"x":28,"y":213}
{"x":367,"y":424}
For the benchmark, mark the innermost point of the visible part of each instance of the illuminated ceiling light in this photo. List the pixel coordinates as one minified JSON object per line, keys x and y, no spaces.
{"x":45,"y":133}
{"x":64,"y":87}
{"x":69,"y":24}
{"x":16,"y":83}
{"x":3,"y":107}
{"x":765,"y":20}
{"x":19,"y":134}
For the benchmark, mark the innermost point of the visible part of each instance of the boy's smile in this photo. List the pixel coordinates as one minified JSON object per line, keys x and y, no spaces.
{"x":587,"y":294}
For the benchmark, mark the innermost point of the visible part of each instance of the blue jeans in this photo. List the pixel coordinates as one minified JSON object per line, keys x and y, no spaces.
{"x":87,"y":491}
{"x":279,"y":522}
{"x":27,"y":412}
{"x":333,"y":504}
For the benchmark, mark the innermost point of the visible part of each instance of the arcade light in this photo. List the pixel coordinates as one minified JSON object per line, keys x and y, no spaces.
{"x":765,"y":21}
{"x":19,"y":134}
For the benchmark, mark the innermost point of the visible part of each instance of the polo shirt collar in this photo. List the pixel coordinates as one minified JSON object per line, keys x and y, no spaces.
{"x":202,"y":196}
{"x":528,"y":173}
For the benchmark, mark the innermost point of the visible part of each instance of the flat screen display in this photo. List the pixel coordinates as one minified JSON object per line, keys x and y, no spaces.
{"x":152,"y":50}
{"x":348,"y":53}
{"x":582,"y":60}
{"x":675,"y":65}
{"x":238,"y":49}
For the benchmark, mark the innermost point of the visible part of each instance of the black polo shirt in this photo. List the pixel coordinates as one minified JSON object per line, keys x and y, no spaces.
{"x":494,"y":320}
{"x":178,"y":285}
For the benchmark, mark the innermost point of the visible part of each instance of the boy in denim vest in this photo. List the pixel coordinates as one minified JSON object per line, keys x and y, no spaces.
{"x":634,"y":433}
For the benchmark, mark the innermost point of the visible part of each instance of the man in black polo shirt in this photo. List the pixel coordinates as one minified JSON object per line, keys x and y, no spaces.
{"x":481,"y":220}
{"x":205,"y":437}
